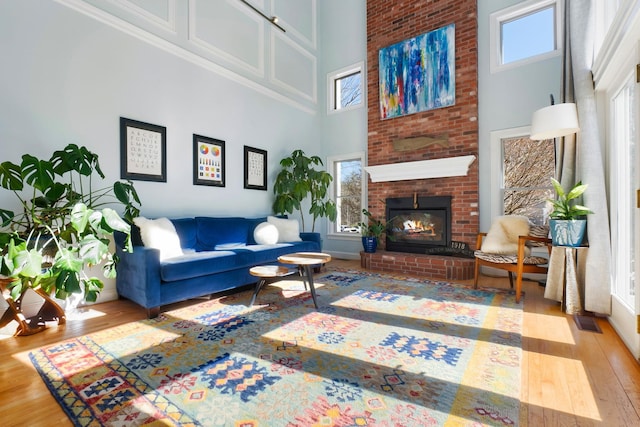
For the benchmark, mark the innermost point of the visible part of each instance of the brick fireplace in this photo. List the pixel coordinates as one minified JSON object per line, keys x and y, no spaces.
{"x":444,"y":133}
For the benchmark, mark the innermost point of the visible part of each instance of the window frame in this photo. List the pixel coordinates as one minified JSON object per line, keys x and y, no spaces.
{"x":331,"y":161}
{"x":331,"y":87}
{"x":497,"y":165}
{"x":518,"y":11}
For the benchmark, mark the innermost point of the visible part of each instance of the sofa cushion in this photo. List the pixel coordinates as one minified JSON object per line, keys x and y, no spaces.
{"x":197,"y":264}
{"x":159,"y":234}
{"x":221,"y":233}
{"x":253,"y":223}
{"x":288,"y":229}
{"x":186,"y":229}
{"x":265,"y":234}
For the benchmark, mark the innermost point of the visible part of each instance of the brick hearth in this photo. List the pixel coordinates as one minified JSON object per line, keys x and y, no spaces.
{"x":430,"y":266}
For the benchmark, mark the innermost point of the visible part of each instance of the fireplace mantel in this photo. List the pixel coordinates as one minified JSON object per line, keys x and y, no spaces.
{"x":422,"y":169}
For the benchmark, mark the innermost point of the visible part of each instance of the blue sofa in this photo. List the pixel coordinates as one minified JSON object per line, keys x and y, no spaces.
{"x":218,"y":253}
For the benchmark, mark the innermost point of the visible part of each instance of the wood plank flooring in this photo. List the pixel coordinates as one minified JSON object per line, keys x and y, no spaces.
{"x":569,"y":377}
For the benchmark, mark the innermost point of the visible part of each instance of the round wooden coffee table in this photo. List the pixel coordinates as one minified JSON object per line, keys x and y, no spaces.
{"x":305,"y":262}
{"x":266,"y":272}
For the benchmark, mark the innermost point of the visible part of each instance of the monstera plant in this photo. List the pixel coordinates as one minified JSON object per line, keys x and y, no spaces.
{"x":63,"y":224}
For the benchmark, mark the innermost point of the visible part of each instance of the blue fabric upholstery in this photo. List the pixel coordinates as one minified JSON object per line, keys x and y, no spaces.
{"x":212,"y":232}
{"x":186,"y":229}
{"x":150,"y":283}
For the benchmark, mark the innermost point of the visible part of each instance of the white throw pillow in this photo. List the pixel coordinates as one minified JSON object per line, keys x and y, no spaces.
{"x":503,"y":234}
{"x":288,"y":229}
{"x":159,"y":234}
{"x":265,"y":234}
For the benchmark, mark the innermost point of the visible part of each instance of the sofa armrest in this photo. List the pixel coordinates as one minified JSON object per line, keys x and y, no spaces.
{"x":138,"y":276}
{"x":312,"y":237}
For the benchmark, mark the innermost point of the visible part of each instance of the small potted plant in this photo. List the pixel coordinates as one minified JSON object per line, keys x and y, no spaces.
{"x":371,"y":231}
{"x":568,"y":222}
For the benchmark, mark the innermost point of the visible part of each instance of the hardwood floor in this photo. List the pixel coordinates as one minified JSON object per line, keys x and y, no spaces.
{"x":570,"y":377}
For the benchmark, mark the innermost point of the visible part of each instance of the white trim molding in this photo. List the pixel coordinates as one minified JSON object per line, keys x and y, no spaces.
{"x":421,"y":169}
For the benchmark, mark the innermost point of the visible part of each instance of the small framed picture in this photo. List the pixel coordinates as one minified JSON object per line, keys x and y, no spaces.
{"x":255,"y":168}
{"x":143,"y":151}
{"x":208,"y":161}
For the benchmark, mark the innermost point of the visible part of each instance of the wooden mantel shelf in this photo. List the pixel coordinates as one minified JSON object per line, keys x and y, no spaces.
{"x":421,"y":169}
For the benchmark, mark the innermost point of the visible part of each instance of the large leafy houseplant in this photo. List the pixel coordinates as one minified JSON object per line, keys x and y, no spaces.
{"x":298,"y":180}
{"x":63,"y":224}
{"x":568,"y":221}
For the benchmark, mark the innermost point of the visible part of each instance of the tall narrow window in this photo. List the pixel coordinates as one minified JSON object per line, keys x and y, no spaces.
{"x":527,"y":170}
{"x":345,"y":88}
{"x":524,"y":33}
{"x":347,"y":192}
{"x":624,"y":177}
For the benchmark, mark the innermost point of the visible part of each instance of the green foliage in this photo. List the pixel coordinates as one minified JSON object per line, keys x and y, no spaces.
{"x":298,"y":180}
{"x":63,"y":224}
{"x":565,"y":204}
{"x":373,"y":227}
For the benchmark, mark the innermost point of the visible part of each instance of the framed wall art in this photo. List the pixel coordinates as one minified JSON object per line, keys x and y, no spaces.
{"x":208,"y":161}
{"x":418,"y":74}
{"x":255,"y":168}
{"x":143,"y":151}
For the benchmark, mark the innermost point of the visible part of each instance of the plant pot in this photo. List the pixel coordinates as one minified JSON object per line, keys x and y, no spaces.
{"x":369,"y":244}
{"x":567,"y":232}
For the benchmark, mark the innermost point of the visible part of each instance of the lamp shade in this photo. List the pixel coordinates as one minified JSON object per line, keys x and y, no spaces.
{"x":554,"y":121}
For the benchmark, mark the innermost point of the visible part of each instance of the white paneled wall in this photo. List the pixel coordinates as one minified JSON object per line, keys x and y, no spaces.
{"x":228,"y":37}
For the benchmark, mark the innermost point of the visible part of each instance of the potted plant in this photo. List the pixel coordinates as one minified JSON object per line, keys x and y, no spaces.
{"x":63,"y":225}
{"x":568,"y":221}
{"x":298,"y":180}
{"x":371,"y":231}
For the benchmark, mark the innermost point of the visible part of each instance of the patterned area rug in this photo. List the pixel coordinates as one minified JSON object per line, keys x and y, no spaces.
{"x":382,"y":351}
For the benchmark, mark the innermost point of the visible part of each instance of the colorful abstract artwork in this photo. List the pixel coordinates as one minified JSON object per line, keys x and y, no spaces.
{"x":208,"y":161}
{"x":418,"y":74}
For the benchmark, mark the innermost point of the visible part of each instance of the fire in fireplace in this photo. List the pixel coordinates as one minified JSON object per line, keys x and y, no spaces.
{"x":419,"y":224}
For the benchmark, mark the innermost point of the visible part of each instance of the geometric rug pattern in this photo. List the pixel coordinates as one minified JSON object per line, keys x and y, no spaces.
{"x":382,"y":350}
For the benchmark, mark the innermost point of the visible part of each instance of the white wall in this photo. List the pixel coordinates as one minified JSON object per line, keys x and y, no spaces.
{"x":68,"y":78}
{"x":344,"y":132}
{"x":508,"y":98}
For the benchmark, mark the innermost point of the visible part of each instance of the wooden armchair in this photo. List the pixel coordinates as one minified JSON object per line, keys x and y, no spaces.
{"x":518,"y":264}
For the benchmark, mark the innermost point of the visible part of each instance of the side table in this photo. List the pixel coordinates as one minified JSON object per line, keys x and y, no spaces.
{"x":565,"y":277}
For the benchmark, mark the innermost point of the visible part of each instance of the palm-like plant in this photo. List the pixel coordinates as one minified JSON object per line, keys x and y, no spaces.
{"x":63,"y":225}
{"x":565,"y":205}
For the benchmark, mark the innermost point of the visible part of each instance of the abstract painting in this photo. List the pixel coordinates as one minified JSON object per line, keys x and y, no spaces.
{"x":418,"y":74}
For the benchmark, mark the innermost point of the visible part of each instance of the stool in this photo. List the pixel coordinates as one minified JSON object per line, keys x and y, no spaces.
{"x":265,"y":272}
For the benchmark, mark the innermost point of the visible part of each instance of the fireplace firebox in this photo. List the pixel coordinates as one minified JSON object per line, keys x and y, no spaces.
{"x":419,"y":225}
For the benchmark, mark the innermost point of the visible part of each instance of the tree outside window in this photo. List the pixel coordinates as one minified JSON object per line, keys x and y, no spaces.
{"x":528,"y":167}
{"x":344,"y":89}
{"x":348,"y":195}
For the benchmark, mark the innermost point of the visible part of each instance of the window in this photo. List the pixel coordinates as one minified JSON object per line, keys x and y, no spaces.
{"x":347,"y":192}
{"x":525,"y":33}
{"x":345,"y":88}
{"x":521,"y":181}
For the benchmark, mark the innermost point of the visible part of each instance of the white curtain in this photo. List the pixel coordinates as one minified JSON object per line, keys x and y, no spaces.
{"x":589,"y":162}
